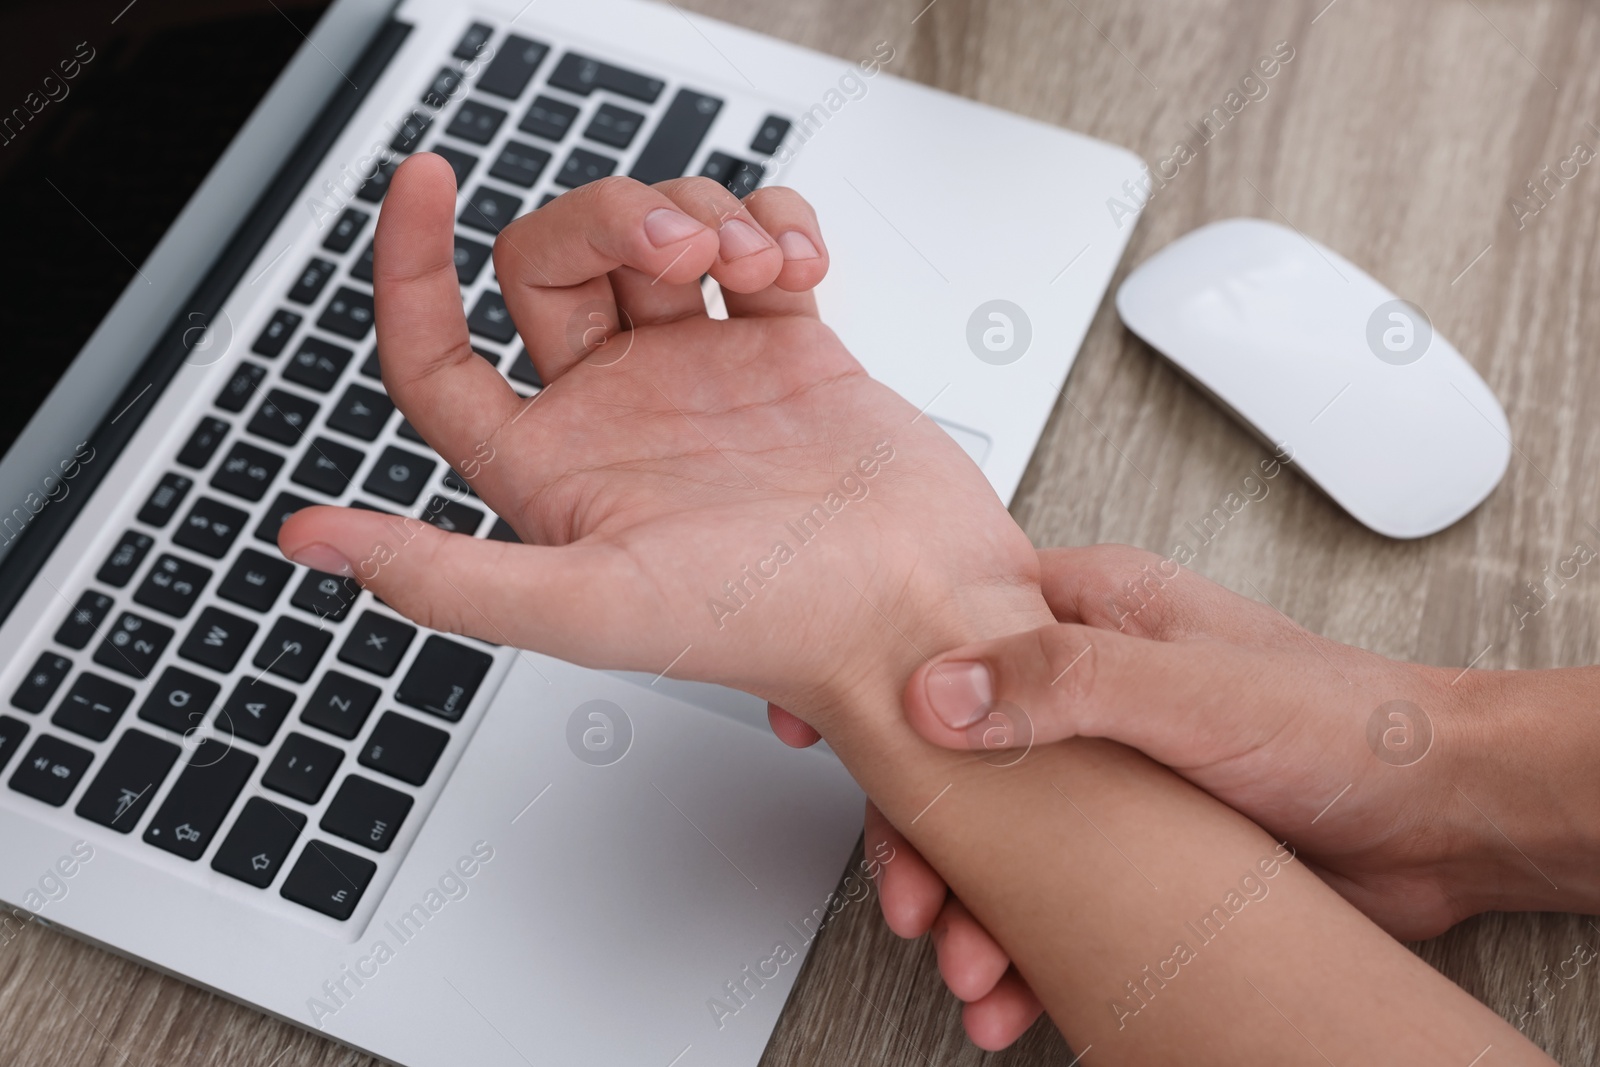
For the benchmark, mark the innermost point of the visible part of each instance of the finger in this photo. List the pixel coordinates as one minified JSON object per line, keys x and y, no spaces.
{"x":454,"y":397}
{"x":786,"y":215}
{"x":554,"y":266}
{"x":748,"y":259}
{"x":996,"y":1021}
{"x":790,"y":730}
{"x":909,"y":891}
{"x":970,"y":961}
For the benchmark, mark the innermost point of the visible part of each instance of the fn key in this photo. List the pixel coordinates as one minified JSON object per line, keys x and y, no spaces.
{"x":328,"y":879}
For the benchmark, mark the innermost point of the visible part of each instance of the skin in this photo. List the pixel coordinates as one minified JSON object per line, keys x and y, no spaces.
{"x":644,"y":482}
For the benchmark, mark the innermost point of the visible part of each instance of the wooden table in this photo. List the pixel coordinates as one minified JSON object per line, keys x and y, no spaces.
{"x":1398,"y":134}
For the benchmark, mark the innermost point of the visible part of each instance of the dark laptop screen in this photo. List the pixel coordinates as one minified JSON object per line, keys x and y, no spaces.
{"x":111,"y":114}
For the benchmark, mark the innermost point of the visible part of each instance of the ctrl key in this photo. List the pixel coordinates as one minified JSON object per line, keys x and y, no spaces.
{"x":328,"y":879}
{"x":259,"y":842}
{"x":51,"y":770}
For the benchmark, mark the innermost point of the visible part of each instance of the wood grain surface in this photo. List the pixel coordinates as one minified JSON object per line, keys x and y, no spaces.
{"x":1398,"y":135}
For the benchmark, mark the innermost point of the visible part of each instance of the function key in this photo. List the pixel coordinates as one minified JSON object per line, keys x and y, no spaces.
{"x":738,"y":176}
{"x":582,"y":75}
{"x":367,"y":813}
{"x":409,"y":133}
{"x":451,"y":516}
{"x":327,"y":596}
{"x":259,"y":842}
{"x":277,"y":333}
{"x":404,"y":748}
{"x":255,"y":580}
{"x":512,"y":67}
{"x":132,"y":645}
{"x":520,"y":164}
{"x":119,"y":568}
{"x":247,"y":378}
{"x":377,"y":643}
{"x":217,"y":640}
{"x":179,"y":701}
{"x":283,"y":505}
{"x":444,"y":677}
{"x":254,"y":711}
{"x":470,"y":257}
{"x":190,"y":815}
{"x":774,"y":128}
{"x":346,"y":229}
{"x":548,"y":118}
{"x":41,"y":683}
{"x":377,"y":182}
{"x":164,"y":500}
{"x":309,"y":285}
{"x":328,"y":466}
{"x":172,"y":586}
{"x":283,"y":417}
{"x":399,"y":475}
{"x":476,"y":121}
{"x":202,"y":444}
{"x":127,"y":782}
{"x":85,"y":619}
{"x":460,"y":162}
{"x":361,"y":269}
{"x":247,"y":471}
{"x":92,"y":706}
{"x":349,"y":314}
{"x":340,"y":705}
{"x":12,"y":731}
{"x":474,"y":41}
{"x":491,"y":319}
{"x":317,"y":364}
{"x":362,"y":412}
{"x":292,"y":648}
{"x":51,"y":770}
{"x":583,"y":167}
{"x":443,"y":88}
{"x":677,"y":137}
{"x":302,"y":768}
{"x":328,"y":879}
{"x":615,"y":126}
{"x":489,"y":209}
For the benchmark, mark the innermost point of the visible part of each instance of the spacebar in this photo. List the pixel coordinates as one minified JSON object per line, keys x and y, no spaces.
{"x":673,"y":145}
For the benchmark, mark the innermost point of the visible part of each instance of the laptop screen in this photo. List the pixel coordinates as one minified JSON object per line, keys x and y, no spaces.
{"x":111,"y":115}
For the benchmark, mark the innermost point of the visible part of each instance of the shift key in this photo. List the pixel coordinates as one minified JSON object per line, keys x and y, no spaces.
{"x":188,"y":819}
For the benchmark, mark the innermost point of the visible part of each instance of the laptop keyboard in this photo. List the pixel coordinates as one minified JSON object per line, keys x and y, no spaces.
{"x":222,"y":702}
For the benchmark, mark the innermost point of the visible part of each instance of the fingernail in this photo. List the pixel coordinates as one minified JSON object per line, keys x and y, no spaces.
{"x":740,"y":239}
{"x":959,"y":692}
{"x":667,"y":227}
{"x":797,"y":245}
{"x":320,"y":557}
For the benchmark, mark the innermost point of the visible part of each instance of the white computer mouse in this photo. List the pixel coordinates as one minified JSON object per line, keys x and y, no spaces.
{"x":1329,"y":366}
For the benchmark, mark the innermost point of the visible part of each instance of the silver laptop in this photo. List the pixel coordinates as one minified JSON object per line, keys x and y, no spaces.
{"x":262,"y":780}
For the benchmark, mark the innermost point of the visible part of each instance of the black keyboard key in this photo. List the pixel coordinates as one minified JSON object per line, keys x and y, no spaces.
{"x":520,"y":164}
{"x":210,"y":527}
{"x":179,"y":701}
{"x":292,"y":649}
{"x":164,"y":500}
{"x":128,"y":780}
{"x":199,"y":800}
{"x":404,"y":748}
{"x":283,"y":505}
{"x":582,"y":75}
{"x":409,"y":133}
{"x":493,"y":359}
{"x":470,"y":257}
{"x":372,"y":367}
{"x":133,"y":644}
{"x":457,"y":484}
{"x":444,"y":677}
{"x":328,"y":879}
{"x":328,"y":466}
{"x":474,"y":41}
{"x":348,"y":314}
{"x":736,"y":175}
{"x":202,"y":444}
{"x":377,"y":643}
{"x":217,"y":640}
{"x":92,"y":706}
{"x":362,"y":412}
{"x":409,"y":432}
{"x":452,"y":516}
{"x":247,"y":471}
{"x":235,"y":396}
{"x":327,"y":596}
{"x":502,"y":531}
{"x":259,"y":842}
{"x":340,"y":704}
{"x":583,"y":167}
{"x":317,"y":364}
{"x":677,"y":137}
{"x":367,"y":813}
{"x":443,"y":88}
{"x":302,"y":768}
{"x":283,"y":417}
{"x":255,"y":580}
{"x":476,"y":121}
{"x":345,"y":231}
{"x":460,"y":162}
{"x":277,"y":333}
{"x":309,"y":285}
{"x":489,"y":209}
{"x":490,"y":318}
{"x":615,"y":126}
{"x":548,"y":118}
{"x":173,"y":585}
{"x":12,"y":731}
{"x":377,"y":184}
{"x":254,"y":711}
{"x":51,"y":770}
{"x":40,"y":684}
{"x":774,"y":128}
{"x":513,"y":67}
{"x":361,"y":269}
{"x":119,"y":567}
{"x":399,"y":475}
{"x":84,"y":620}
{"x":523,"y":370}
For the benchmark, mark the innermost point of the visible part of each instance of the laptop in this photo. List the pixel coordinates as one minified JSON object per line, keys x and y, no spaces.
{"x":262,"y":780}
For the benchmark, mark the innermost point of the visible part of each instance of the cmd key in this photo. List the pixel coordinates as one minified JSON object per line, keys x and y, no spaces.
{"x":444,"y":678}
{"x":189,"y":817}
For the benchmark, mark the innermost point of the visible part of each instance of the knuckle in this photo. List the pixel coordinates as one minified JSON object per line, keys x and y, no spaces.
{"x":1071,"y":658}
